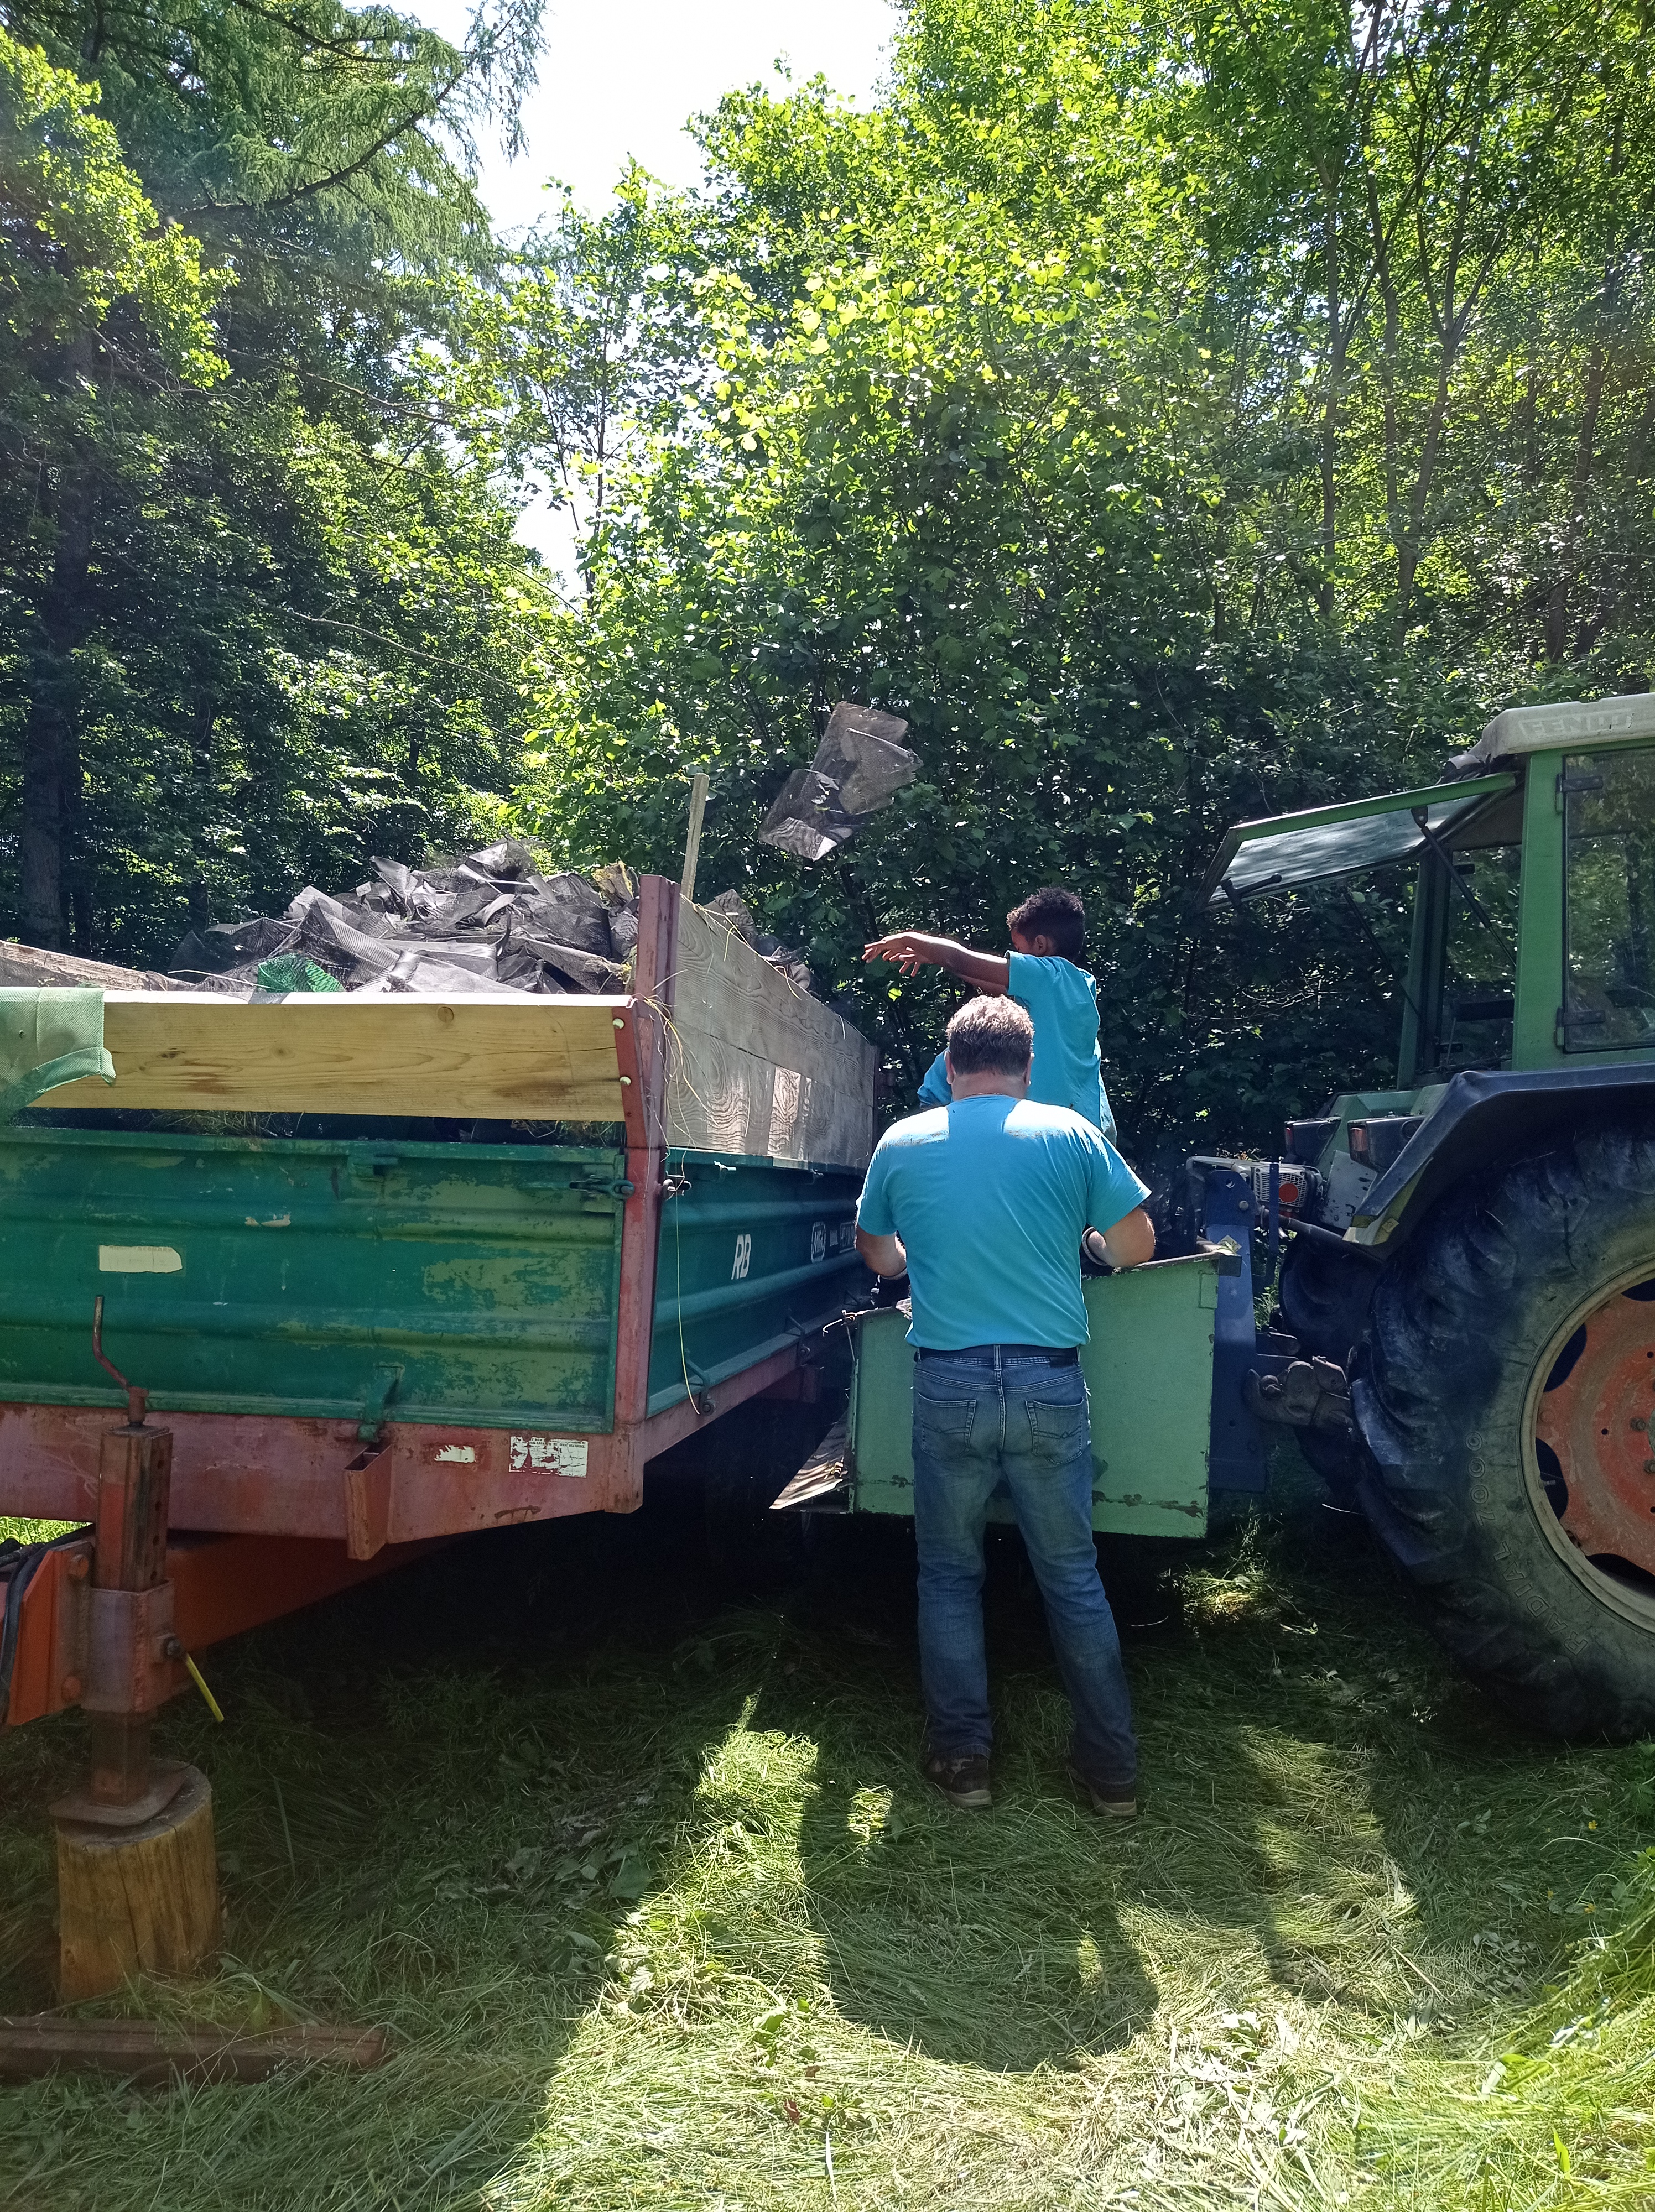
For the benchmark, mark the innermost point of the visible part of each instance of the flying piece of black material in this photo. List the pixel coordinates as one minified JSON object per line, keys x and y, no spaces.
{"x":859,"y":764}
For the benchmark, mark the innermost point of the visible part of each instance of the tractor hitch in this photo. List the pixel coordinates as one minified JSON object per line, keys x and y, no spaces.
{"x":1259,"y":1376}
{"x":1285,"y":1386}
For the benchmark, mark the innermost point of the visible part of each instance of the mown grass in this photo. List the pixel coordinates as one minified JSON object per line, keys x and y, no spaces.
{"x":33,"y":1532}
{"x":632,"y":1860}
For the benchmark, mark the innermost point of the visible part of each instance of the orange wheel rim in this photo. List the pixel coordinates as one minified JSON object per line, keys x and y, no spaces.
{"x":1594,"y":1453}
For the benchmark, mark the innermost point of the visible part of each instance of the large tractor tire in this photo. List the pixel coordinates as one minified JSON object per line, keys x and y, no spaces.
{"x":1324,"y":1300}
{"x":1504,"y":1400}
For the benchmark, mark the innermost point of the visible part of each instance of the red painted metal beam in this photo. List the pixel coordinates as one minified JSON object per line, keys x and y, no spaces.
{"x":52,"y":1638}
{"x":664,"y":1430}
{"x":644,"y":1058}
{"x":248,"y":1476}
{"x":643,"y":1050}
{"x":226,"y":1585}
{"x":222,"y":1586}
{"x":252,"y":1474}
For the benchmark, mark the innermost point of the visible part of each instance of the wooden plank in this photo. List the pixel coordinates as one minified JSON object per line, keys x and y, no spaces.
{"x":30,"y":968}
{"x":722,"y":985}
{"x":699,"y":784}
{"x":757,"y":1066}
{"x":724,"y":1099}
{"x":149,"y":2053}
{"x":511,"y":1056}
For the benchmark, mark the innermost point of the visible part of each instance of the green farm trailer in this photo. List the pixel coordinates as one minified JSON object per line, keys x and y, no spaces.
{"x":316,"y":1282}
{"x":1464,"y":1341}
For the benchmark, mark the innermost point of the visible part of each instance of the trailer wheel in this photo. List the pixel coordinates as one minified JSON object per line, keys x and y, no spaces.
{"x":1505,"y":1398}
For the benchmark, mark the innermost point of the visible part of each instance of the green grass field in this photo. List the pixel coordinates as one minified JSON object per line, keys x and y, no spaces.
{"x":632,"y":1859}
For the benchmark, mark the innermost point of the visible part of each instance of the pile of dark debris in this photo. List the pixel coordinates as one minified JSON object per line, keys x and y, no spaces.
{"x":490,"y":922}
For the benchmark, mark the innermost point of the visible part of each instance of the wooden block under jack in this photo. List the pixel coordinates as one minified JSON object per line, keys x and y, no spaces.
{"x":140,"y":1900}
{"x":151,"y":2056}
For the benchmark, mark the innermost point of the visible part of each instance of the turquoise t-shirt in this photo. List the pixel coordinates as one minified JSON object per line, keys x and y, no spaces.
{"x":1062,"y":1001}
{"x":991,"y":1196}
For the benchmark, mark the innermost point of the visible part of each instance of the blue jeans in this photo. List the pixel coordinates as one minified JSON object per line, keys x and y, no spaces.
{"x":982,"y":1419}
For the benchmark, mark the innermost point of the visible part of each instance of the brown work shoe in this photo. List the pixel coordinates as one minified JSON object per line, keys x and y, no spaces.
{"x":963,"y":1782}
{"x":1117,"y":1801}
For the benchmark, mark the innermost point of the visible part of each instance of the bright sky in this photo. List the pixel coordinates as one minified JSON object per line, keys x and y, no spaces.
{"x":620,"y":79}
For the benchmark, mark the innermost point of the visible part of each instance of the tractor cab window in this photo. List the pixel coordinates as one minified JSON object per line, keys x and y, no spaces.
{"x":1608,"y":816}
{"x":1471,"y":1021}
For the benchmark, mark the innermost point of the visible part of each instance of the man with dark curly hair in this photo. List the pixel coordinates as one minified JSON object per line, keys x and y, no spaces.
{"x":1043,"y":971}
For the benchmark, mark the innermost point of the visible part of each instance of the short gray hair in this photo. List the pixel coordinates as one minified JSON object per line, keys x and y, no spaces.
{"x":990,"y":1037}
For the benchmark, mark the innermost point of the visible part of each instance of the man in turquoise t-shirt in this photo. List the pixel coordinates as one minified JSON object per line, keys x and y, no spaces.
{"x":983,"y":1204}
{"x":1042,"y":973}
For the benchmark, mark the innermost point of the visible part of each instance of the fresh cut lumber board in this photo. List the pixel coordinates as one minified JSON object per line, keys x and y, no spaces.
{"x":512,"y":1057}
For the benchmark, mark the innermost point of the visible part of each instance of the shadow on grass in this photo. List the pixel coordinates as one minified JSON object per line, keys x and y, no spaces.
{"x":989,"y":1939}
{"x":462,"y":1802}
{"x":436,"y":1801}
{"x":1324,"y":1793}
{"x":984,"y":1939}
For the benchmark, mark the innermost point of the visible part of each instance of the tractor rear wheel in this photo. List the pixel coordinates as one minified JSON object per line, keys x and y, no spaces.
{"x":1504,"y":1400}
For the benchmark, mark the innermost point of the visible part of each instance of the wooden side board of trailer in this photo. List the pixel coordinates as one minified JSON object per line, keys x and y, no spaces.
{"x":509,"y":1055}
{"x":754,"y":1066}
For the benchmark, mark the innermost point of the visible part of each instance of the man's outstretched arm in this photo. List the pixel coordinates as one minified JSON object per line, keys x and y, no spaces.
{"x":912,"y":950}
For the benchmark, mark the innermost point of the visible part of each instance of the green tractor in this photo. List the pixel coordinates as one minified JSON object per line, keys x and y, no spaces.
{"x":1465,"y":1338}
{"x":1464,"y":1341}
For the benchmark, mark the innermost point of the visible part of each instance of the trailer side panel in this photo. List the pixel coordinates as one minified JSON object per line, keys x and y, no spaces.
{"x":468,"y":1284}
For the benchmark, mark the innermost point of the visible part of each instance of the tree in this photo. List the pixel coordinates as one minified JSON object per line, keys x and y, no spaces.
{"x":1129,"y":403}
{"x":95,"y":290}
{"x":298,"y":571}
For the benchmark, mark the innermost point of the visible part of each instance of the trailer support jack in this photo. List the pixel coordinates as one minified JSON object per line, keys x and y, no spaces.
{"x":138,"y":1880}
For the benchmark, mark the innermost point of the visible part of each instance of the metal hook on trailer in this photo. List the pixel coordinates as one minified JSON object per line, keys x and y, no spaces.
{"x":138,"y":1401}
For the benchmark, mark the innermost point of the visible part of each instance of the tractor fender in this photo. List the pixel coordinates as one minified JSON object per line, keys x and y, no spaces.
{"x":1481,"y":1117}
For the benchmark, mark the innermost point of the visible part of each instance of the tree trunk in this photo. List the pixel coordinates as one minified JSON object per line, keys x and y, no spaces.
{"x":1586,"y":447}
{"x":1337,"y":336}
{"x":50,"y":740}
{"x":1387,"y":364}
{"x":1527,"y":427}
{"x":1413,"y":539}
{"x":1557,"y":601}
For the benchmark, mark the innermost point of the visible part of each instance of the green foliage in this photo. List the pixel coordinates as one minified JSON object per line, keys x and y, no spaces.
{"x":1178,"y":416}
{"x":1156,"y":411}
{"x":77,"y":234}
{"x":256,"y":623}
